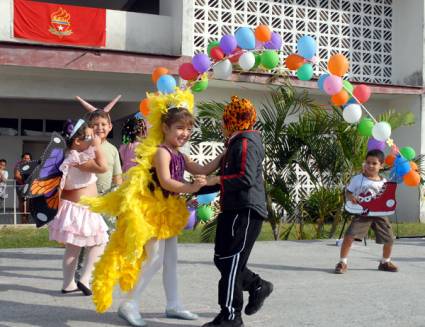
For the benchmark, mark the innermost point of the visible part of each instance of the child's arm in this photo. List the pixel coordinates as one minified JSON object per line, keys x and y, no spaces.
{"x":350,"y":196}
{"x":195,"y":168}
{"x":98,"y":165}
{"x":116,"y":170}
{"x":162,"y":163}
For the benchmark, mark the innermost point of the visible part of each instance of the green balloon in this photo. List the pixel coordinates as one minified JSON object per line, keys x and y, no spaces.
{"x":348,"y":87}
{"x":257,"y":61}
{"x":212,"y":45}
{"x":365,"y":127}
{"x":204,"y":213}
{"x":305,"y":72}
{"x":269,"y":59}
{"x":408,"y":153}
{"x":200,"y":86}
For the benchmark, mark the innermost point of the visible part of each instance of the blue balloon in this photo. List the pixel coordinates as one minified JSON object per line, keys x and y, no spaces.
{"x":166,"y":84}
{"x":245,"y":38}
{"x":401,"y":166}
{"x":206,"y":198}
{"x":307,"y":47}
{"x":321,"y":80}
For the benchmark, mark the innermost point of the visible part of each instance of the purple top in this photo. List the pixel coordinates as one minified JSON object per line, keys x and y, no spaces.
{"x":177,"y":167}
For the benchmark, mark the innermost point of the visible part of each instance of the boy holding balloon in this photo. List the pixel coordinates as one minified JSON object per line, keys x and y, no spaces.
{"x":369,"y":182}
{"x":243,"y":208}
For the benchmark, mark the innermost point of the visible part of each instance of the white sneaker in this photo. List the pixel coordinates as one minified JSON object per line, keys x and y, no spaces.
{"x":181,"y":314}
{"x":130,"y":312}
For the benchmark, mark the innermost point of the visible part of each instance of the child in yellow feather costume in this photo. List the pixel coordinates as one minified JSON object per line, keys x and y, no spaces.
{"x":143,"y":214}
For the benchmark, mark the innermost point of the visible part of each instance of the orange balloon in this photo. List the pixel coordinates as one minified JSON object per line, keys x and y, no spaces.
{"x":340,"y":98}
{"x":144,"y":107}
{"x":158,"y":72}
{"x":412,"y":178}
{"x":263,"y":33}
{"x":338,"y":64}
{"x":294,"y":61}
{"x":414,"y":166}
{"x":389,"y":160}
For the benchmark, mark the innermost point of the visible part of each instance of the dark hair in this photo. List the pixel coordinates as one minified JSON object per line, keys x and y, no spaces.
{"x":132,"y":128}
{"x":68,"y":127}
{"x":377,"y":154}
{"x":26,"y":154}
{"x":98,"y":113}
{"x":178,"y":114}
{"x":3,"y":160}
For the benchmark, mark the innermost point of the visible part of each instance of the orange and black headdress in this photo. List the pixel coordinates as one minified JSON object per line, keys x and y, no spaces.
{"x":239,"y":115}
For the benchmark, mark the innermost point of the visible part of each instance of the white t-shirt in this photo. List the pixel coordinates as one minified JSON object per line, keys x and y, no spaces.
{"x":362,"y":184}
{"x":5,"y":175}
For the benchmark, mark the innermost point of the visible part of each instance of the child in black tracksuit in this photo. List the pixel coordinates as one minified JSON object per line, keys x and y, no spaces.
{"x":243,"y":207}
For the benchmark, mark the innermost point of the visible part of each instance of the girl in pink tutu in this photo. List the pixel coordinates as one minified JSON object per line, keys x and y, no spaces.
{"x":75,"y":225}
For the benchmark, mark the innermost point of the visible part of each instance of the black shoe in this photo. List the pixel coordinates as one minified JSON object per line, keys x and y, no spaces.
{"x":70,"y":291}
{"x":219,"y":321}
{"x":83,"y":288}
{"x":257,"y":297}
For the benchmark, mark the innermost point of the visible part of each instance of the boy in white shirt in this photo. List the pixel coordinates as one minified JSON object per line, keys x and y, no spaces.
{"x":368,"y":182}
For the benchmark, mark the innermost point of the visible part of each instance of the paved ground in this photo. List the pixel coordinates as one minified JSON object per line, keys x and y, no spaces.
{"x":307,"y":293}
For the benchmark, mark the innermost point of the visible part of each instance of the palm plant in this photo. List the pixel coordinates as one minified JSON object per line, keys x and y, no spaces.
{"x":299,"y":136}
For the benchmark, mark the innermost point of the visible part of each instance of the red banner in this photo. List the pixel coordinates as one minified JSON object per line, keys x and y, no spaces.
{"x":57,"y":23}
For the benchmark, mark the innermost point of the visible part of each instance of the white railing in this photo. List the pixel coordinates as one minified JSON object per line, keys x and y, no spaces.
{"x":9,"y":205}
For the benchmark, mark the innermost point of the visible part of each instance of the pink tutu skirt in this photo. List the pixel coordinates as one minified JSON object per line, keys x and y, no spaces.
{"x":77,"y":225}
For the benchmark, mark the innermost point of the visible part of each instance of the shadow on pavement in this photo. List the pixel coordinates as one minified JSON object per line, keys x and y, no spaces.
{"x":48,"y":315}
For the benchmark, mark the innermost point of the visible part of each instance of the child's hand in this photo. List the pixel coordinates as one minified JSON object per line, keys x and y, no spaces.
{"x":198,"y":182}
{"x":95,"y":140}
{"x":352,"y":198}
{"x":213,"y":180}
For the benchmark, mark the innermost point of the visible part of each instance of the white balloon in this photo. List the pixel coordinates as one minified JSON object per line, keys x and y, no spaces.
{"x":381,"y":131}
{"x":247,"y":60}
{"x":352,"y":113}
{"x":223,"y":69}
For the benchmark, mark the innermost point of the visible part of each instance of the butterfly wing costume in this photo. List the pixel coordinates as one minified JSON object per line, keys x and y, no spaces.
{"x":43,"y":183}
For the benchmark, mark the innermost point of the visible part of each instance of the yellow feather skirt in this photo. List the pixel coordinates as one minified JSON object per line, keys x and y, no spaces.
{"x":151,"y":216}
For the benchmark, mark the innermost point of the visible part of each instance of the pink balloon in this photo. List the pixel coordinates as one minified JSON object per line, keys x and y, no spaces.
{"x":362,"y":93}
{"x":332,"y":85}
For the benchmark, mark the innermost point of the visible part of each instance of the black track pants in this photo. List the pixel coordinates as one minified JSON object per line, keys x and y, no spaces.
{"x":235,"y":237}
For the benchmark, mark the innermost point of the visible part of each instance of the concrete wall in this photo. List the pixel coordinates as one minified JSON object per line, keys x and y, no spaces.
{"x":126,"y":31}
{"x":408,"y":42}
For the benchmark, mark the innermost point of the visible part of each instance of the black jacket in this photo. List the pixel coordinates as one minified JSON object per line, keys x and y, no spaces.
{"x":241,"y":174}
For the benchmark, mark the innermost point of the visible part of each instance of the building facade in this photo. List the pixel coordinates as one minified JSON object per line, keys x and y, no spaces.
{"x":383,"y":40}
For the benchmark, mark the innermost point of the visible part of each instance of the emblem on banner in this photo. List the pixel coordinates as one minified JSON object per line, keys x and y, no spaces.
{"x":60,"y":23}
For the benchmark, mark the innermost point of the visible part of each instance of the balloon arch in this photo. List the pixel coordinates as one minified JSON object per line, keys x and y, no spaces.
{"x":259,"y":49}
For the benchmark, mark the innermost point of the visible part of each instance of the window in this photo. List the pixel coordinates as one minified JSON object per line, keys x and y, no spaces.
{"x":54,"y":125}
{"x":32,"y":127}
{"x":147,"y":7}
{"x":9,"y":126}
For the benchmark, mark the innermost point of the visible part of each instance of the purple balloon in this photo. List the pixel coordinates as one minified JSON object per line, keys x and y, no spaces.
{"x":192,"y":218}
{"x":201,"y":62}
{"x":374,"y":144}
{"x":228,"y":44}
{"x":275,"y":42}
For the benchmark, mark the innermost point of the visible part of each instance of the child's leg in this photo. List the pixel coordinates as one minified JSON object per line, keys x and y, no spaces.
{"x":155,"y":258}
{"x":92,"y":255}
{"x":345,"y":247}
{"x":69,"y":264}
{"x":386,"y":251}
{"x":169,"y":274}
